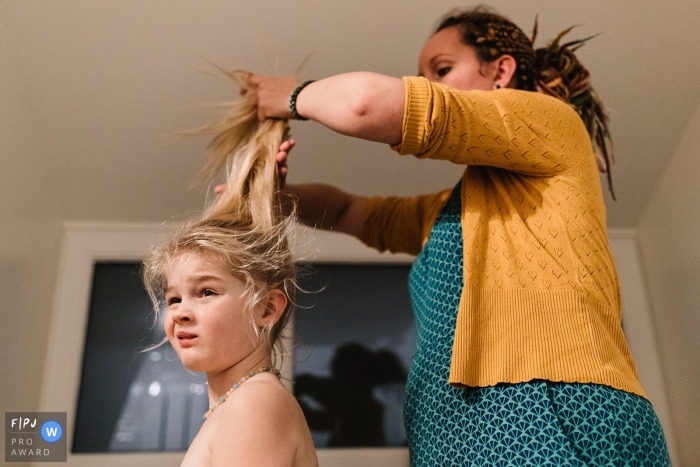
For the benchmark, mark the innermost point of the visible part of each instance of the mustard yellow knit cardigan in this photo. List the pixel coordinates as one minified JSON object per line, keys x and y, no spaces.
{"x":541,"y":296}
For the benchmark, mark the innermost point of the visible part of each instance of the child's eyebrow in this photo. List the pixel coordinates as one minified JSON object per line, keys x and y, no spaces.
{"x":198,"y":280}
{"x":204,"y":278}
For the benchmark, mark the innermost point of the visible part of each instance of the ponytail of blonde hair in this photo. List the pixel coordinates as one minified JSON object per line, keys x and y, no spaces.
{"x":245,"y":228}
{"x":247,"y":148}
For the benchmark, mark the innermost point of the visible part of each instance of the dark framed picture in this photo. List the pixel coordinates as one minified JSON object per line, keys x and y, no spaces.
{"x":352,"y":343}
{"x":353,"y":329}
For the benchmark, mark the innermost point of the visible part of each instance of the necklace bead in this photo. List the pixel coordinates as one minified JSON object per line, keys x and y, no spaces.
{"x":251,"y":373}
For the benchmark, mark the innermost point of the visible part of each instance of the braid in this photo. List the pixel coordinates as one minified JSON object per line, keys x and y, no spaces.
{"x":552,"y":70}
{"x":562,"y":75}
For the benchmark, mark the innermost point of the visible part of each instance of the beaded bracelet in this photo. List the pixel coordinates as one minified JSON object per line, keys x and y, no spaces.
{"x":293,"y":100}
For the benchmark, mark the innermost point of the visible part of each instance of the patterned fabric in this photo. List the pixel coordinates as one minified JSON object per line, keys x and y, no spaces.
{"x":535,"y":423}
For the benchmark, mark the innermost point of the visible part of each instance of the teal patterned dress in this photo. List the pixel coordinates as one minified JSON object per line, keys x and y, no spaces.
{"x":528,"y":424}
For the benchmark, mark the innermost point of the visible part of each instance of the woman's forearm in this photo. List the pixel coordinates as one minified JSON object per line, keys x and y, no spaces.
{"x":364,"y":105}
{"x":329,"y":208}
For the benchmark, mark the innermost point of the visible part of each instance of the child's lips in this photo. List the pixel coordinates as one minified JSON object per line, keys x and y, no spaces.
{"x":186,"y":339}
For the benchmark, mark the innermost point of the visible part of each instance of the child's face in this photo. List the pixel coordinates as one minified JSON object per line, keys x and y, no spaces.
{"x":205,"y":320}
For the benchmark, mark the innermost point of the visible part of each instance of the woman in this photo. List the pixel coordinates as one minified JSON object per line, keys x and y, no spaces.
{"x":521,"y":357}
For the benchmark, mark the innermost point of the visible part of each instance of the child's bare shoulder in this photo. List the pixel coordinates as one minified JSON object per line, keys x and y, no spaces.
{"x":263,"y":394}
{"x":260,"y":419}
{"x":265,"y":402}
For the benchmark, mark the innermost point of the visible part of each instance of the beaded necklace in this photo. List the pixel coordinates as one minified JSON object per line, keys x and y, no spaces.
{"x":251,"y":373}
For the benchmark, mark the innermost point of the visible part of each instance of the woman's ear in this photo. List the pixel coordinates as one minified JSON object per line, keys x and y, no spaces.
{"x":505,"y":71}
{"x":274,"y":308}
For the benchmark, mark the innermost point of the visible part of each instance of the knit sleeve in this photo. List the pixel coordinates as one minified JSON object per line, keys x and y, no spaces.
{"x":401,"y":225}
{"x":521,"y":131}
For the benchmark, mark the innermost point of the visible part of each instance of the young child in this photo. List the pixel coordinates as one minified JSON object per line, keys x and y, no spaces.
{"x":226,"y":291}
{"x":226,"y":282}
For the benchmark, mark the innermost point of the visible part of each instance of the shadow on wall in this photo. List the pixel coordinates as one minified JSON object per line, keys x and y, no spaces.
{"x":347,"y":404}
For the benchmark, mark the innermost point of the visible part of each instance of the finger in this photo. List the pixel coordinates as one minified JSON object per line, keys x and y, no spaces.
{"x":250,"y":83}
{"x":287,"y":145}
{"x":252,"y":80}
{"x":282,"y":162}
{"x":281,"y":158}
{"x":284,"y":151}
{"x":285,"y":148}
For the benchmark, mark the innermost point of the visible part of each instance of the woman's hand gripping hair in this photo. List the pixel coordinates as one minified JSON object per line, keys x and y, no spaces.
{"x":272,"y":95}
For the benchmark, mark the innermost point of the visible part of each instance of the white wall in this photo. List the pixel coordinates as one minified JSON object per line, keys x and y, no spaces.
{"x":29,"y":239}
{"x":640,"y":330}
{"x":669,"y":241}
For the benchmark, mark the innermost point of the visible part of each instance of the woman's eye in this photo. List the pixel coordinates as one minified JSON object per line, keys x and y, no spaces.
{"x":443,"y":71}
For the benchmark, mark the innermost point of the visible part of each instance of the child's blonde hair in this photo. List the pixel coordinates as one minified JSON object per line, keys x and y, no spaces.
{"x":245,"y":229}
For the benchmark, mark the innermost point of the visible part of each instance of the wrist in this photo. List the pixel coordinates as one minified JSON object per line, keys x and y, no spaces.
{"x":293,"y":100}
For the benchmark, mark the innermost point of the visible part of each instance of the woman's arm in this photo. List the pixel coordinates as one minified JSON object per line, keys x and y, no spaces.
{"x":329,"y":208}
{"x":364,"y":105}
{"x":519,"y":131}
{"x":320,"y":205}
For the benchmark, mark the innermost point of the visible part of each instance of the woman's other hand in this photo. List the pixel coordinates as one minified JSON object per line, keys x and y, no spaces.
{"x":273,"y":95}
{"x":281,"y":158}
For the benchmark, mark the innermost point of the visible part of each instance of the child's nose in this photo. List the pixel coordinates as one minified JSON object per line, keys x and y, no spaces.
{"x":182,"y":313}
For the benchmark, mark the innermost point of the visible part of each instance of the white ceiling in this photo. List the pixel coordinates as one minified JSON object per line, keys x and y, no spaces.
{"x":107,"y":82}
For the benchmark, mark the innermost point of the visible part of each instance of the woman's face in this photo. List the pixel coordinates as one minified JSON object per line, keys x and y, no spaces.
{"x":445,"y":59}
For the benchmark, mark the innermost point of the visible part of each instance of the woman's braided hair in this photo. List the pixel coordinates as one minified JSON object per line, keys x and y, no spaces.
{"x":552,"y":70}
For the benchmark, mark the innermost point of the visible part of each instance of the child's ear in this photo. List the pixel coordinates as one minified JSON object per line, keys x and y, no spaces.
{"x":274,"y":308}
